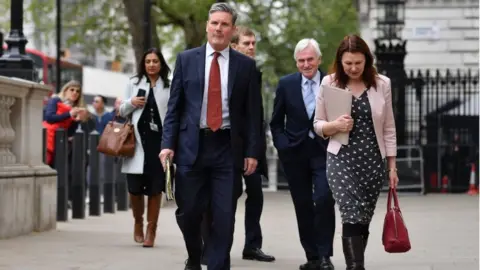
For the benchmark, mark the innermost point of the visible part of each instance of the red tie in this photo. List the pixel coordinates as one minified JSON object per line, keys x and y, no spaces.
{"x":214,"y":105}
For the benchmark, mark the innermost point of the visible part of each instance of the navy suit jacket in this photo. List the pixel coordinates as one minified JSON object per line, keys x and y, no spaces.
{"x":181,"y":127}
{"x":289,"y":136}
{"x":262,"y":167}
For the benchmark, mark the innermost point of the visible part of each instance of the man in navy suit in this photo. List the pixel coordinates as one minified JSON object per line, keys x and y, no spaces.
{"x":303,"y":155}
{"x":244,"y":41}
{"x":212,"y":131}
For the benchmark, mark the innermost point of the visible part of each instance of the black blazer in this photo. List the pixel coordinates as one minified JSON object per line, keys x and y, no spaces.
{"x":262,"y":167}
{"x":182,"y":121}
{"x":290,"y":136}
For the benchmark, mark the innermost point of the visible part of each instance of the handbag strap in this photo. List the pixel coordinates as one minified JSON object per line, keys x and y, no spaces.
{"x":128,"y":118}
{"x":392,"y":193}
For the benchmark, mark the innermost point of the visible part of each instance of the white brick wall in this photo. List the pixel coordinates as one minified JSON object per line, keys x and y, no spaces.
{"x":441,"y":34}
{"x":463,"y":45}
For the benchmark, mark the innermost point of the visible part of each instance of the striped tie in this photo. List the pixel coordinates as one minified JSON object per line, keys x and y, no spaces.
{"x":310,"y":102}
{"x":310,"y":98}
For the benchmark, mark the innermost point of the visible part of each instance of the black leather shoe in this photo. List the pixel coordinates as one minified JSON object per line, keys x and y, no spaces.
{"x":192,"y":266}
{"x":310,"y":265}
{"x":257,"y":254}
{"x":326,"y":264}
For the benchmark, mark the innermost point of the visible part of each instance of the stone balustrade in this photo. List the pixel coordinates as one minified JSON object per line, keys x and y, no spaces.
{"x":28,"y":187}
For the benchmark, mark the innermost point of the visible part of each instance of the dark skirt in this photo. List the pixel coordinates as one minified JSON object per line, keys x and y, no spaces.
{"x":145,"y":184}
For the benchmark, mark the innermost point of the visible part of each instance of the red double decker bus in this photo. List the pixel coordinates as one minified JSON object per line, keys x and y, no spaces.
{"x":46,"y":69}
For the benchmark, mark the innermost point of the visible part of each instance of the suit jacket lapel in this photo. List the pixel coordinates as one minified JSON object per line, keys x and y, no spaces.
{"x":232,"y":71}
{"x":201,"y":67}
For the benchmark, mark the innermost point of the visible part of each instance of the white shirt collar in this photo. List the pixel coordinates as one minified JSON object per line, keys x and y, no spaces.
{"x":315,"y":78}
{"x":225,"y":52}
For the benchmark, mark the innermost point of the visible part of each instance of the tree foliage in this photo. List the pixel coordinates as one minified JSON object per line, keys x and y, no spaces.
{"x":112,"y":26}
{"x":5,"y":19}
{"x":281,"y":24}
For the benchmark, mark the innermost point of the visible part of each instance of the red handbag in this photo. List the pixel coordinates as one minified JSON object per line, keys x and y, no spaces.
{"x":395,"y":234}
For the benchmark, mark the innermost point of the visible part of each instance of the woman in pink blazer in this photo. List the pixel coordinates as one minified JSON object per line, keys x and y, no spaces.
{"x":356,"y":171}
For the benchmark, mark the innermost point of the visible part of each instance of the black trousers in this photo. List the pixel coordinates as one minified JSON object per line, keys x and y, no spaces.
{"x":314,"y":205}
{"x":253,"y":213}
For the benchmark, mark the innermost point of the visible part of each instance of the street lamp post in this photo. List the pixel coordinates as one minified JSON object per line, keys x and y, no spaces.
{"x":390,"y":52}
{"x":14,"y":62}
{"x":58,"y":66}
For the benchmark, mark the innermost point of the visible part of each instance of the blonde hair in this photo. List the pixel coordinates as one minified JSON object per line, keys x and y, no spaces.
{"x":80,"y":101}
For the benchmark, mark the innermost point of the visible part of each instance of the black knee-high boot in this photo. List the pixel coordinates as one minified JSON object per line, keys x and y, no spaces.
{"x":353,"y":249}
{"x":354,"y":246}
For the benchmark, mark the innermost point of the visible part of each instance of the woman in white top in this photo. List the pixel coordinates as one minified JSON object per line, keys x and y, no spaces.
{"x":145,"y":103}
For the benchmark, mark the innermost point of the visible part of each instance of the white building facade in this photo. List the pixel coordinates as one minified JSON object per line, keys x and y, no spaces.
{"x":440,"y":34}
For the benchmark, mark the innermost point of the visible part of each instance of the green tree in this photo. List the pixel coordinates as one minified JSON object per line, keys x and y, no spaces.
{"x":5,"y":19}
{"x":281,"y":24}
{"x":180,"y":24}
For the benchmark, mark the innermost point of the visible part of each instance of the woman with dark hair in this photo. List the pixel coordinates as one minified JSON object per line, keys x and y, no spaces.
{"x":356,"y":171}
{"x":145,"y":104}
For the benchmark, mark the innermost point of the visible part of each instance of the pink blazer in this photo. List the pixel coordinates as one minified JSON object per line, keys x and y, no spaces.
{"x":382,"y":114}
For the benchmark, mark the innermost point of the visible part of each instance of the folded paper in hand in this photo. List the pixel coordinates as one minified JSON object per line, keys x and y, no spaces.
{"x":337,"y":102}
{"x":169,"y":185}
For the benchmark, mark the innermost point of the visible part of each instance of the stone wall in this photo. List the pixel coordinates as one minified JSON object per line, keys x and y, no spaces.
{"x":28,"y":188}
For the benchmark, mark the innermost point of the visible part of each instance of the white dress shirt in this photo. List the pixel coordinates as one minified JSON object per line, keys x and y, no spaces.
{"x":223,"y":61}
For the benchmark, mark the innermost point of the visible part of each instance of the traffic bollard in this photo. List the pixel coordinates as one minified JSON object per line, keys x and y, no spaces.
{"x":94,"y":190}
{"x":61,"y":165}
{"x":78,"y":176}
{"x":109,"y":186}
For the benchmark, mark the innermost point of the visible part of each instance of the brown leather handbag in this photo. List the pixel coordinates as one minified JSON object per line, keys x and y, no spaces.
{"x":118,"y":139}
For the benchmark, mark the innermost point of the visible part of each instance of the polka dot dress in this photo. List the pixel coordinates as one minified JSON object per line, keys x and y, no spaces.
{"x":356,"y":173}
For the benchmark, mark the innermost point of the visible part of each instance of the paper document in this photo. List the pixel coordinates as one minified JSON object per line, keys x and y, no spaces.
{"x":169,"y":185}
{"x":337,"y":103}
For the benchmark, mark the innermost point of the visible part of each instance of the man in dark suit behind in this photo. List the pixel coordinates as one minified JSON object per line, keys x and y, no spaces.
{"x":303,"y":155}
{"x":244,"y":41}
{"x":212,"y":131}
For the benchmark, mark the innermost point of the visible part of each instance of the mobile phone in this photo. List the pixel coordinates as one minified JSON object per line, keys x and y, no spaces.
{"x":141,"y":93}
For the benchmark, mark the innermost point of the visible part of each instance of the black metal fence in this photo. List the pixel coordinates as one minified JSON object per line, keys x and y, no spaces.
{"x":75,"y":161}
{"x":442,"y":116}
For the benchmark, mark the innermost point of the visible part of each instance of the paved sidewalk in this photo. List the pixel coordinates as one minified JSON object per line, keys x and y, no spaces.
{"x":443,"y":228}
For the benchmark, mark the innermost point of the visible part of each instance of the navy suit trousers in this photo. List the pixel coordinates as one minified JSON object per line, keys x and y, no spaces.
{"x":313,"y":203}
{"x":211,"y":182}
